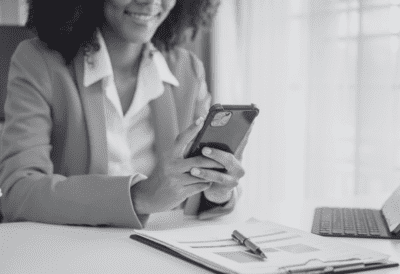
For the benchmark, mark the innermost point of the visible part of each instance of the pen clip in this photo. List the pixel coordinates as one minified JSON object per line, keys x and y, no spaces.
{"x":236,"y":239}
{"x":239,"y":237}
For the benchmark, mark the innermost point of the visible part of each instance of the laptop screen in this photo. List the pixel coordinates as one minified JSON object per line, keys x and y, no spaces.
{"x":391,"y":211}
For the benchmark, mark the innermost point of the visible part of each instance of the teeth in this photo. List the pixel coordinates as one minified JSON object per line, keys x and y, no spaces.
{"x":142,"y":16}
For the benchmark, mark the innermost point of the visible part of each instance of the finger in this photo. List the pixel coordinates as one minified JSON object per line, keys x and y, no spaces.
{"x":186,"y":150}
{"x":185,"y":137}
{"x":228,"y":160}
{"x":184,"y":165}
{"x":193,"y":189}
{"x":243,"y":143}
{"x":200,"y":162}
{"x":188,"y":180}
{"x":225,"y":180}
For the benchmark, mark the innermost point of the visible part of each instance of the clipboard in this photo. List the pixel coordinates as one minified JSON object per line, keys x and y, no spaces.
{"x":171,"y":252}
{"x":374,"y":266}
{"x":351,"y":268}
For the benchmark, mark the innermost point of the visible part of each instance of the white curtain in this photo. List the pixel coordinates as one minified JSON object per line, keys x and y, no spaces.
{"x":326,"y":77}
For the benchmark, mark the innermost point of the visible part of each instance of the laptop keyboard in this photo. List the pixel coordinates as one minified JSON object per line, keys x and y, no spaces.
{"x":349,"y":222}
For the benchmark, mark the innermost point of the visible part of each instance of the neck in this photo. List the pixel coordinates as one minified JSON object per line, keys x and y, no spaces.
{"x":124,"y":56}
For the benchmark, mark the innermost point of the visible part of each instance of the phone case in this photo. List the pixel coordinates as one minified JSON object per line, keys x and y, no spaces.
{"x":223,"y":132}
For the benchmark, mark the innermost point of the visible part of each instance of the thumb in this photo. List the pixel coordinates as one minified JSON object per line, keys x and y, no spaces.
{"x":185,"y":138}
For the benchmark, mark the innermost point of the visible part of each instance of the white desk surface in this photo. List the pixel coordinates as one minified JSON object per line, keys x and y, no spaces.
{"x":43,"y":248}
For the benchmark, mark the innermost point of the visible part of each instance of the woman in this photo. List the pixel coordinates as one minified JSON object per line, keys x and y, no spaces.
{"x":100,"y":111}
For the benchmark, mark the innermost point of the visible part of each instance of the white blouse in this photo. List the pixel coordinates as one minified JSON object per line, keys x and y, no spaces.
{"x":130,"y":137}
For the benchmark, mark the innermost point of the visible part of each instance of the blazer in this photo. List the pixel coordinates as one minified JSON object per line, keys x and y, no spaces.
{"x":53,"y":164}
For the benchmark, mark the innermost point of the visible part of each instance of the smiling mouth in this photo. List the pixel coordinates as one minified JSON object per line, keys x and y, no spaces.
{"x":141,"y":16}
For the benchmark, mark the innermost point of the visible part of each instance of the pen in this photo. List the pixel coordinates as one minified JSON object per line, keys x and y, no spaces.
{"x":238,"y":237}
{"x":321,"y":269}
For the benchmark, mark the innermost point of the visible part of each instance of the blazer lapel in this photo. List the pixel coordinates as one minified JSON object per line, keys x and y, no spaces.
{"x":164,"y":110}
{"x":93,"y":106}
{"x":165,"y":120}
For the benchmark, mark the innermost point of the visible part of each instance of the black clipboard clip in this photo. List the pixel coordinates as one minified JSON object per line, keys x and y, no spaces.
{"x":348,"y":266}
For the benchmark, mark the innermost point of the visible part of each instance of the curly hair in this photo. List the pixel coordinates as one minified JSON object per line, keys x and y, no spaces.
{"x":69,"y":26}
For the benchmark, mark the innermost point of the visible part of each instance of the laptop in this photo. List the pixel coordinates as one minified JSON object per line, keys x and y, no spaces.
{"x":381,"y":223}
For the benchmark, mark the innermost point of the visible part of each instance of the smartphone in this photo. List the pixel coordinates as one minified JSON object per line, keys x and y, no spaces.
{"x":224,"y":128}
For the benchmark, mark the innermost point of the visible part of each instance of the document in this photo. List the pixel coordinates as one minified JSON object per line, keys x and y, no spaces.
{"x":287,"y":250}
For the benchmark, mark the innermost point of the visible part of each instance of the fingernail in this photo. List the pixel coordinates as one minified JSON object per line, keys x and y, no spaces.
{"x":206,"y":151}
{"x":195,"y":171}
{"x":199,"y":121}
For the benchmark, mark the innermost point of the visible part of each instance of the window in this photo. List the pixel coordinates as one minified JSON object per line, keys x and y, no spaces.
{"x":353,"y":79}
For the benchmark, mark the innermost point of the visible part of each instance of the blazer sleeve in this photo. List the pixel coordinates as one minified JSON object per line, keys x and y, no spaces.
{"x":31,"y":191}
{"x":207,"y":209}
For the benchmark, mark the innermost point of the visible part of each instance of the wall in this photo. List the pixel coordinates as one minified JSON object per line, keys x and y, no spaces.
{"x":13,"y":12}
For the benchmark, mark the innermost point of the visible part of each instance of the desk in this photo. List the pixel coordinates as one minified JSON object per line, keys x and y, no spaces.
{"x":43,"y":248}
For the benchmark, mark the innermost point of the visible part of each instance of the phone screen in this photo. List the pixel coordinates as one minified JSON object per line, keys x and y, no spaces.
{"x":391,"y":211}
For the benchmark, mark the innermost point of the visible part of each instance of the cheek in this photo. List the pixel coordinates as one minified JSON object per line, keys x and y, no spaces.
{"x":113,"y":9}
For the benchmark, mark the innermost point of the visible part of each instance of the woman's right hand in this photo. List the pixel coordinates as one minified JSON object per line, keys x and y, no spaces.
{"x":171,"y":182}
